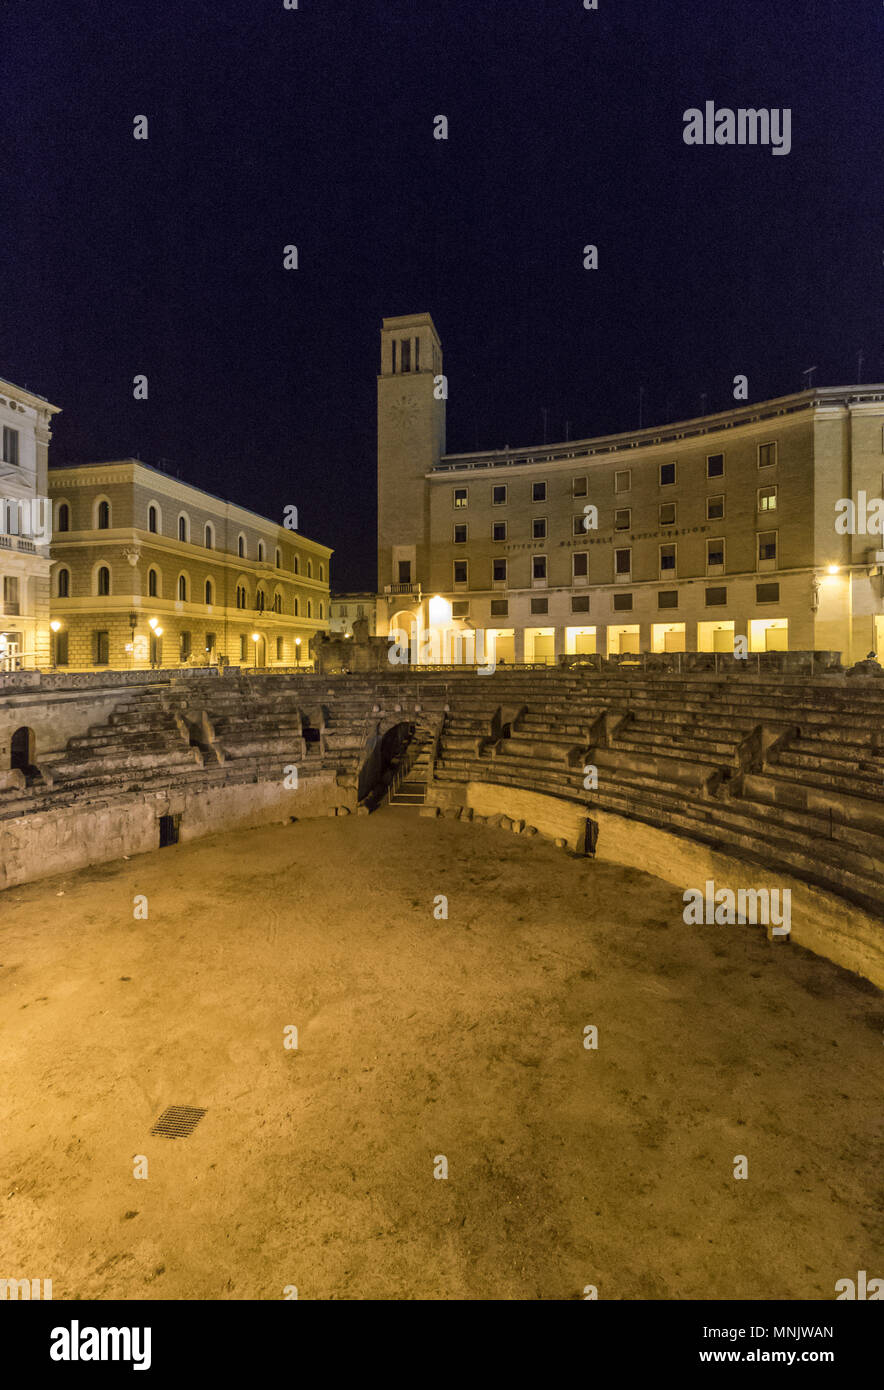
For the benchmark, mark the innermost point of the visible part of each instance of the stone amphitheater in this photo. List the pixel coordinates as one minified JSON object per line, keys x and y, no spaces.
{"x":681,"y":774}
{"x":292,"y":833}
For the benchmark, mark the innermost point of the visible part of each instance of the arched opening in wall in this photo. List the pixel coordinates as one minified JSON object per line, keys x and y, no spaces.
{"x":383,"y":758}
{"x":22,"y":750}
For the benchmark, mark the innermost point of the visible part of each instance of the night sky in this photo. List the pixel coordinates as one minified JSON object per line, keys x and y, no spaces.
{"x":315,"y":127}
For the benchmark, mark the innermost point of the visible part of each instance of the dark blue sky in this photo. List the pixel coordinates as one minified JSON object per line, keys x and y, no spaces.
{"x":314,"y":127}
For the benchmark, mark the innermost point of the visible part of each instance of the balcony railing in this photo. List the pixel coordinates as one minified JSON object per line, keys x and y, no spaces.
{"x":21,"y":543}
{"x":402,"y":588}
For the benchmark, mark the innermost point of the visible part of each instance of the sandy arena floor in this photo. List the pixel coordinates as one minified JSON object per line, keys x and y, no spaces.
{"x":420,"y":1037}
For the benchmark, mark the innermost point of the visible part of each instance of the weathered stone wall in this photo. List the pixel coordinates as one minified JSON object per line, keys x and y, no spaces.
{"x":32,"y":847}
{"x":820,"y":922}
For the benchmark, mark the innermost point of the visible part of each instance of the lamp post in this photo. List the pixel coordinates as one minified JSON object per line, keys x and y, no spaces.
{"x":256,"y":637}
{"x":55,"y":627}
{"x":298,"y":652}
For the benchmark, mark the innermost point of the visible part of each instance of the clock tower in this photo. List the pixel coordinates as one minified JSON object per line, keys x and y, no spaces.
{"x":411,"y":441}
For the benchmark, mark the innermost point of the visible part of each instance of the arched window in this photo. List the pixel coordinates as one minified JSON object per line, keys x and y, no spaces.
{"x":295,"y":565}
{"x":241,"y":546}
{"x":296,"y":607}
{"x":210,"y":537}
{"x":104,"y":580}
{"x":102,"y":516}
{"x":152,"y":583}
{"x":209,"y":597}
{"x":64,"y":583}
{"x":182,"y":588}
{"x":309,"y":569}
{"x":320,"y":610}
{"x":260,"y":550}
{"x":153,"y":519}
{"x":182,"y":527}
{"x":309,"y":608}
{"x":277,"y":603}
{"x":278,"y":558}
{"x":321,"y":573}
{"x":64,"y":517}
{"x":260,"y":601}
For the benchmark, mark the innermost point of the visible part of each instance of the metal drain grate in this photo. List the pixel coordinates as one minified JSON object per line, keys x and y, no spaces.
{"x":178,"y":1121}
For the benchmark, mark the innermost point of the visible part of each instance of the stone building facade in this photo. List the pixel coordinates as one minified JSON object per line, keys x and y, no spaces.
{"x":150,"y":571}
{"x":679,"y":537}
{"x":25,"y":527}
{"x":347,"y":609}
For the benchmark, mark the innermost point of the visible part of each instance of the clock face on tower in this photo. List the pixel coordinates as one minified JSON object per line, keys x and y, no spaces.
{"x":403,"y":414}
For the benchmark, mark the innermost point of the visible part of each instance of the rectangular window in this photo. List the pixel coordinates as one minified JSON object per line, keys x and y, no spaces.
{"x":460,"y":535}
{"x":460,"y":497}
{"x":11,"y":605}
{"x":10,"y":445}
{"x":667,"y":513}
{"x":767,"y":548}
{"x":460,"y":571}
{"x":623,"y":480}
{"x":538,"y":528}
{"x":406,"y":354}
{"x":279,"y":649}
{"x":579,"y":523}
{"x":243,"y":647}
{"x":61,"y":648}
{"x":622,"y":518}
{"x":101,"y":648}
{"x":210,"y":642}
{"x":667,"y":474}
{"x":715,"y":507}
{"x":767,"y":593}
{"x":667,"y":559}
{"x":460,"y":608}
{"x":538,"y":569}
{"x":499,"y":607}
{"x":538,"y":492}
{"x":417,"y":354}
{"x":622,"y":603}
{"x":667,"y":598}
{"x":767,"y":455}
{"x":715,"y":597}
{"x":578,"y":487}
{"x":498,"y":571}
{"x":498,"y":531}
{"x":580,"y":603}
{"x":580,"y":564}
{"x":540,"y":605}
{"x":498,"y":495}
{"x":404,"y":571}
{"x":715,"y":466}
{"x":767,"y":498}
{"x":622,"y":563}
{"x":715,"y":555}
{"x":184,"y":646}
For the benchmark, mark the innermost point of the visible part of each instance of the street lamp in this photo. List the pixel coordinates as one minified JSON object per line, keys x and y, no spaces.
{"x":298,"y":652}
{"x":55,"y":626}
{"x":256,"y":637}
